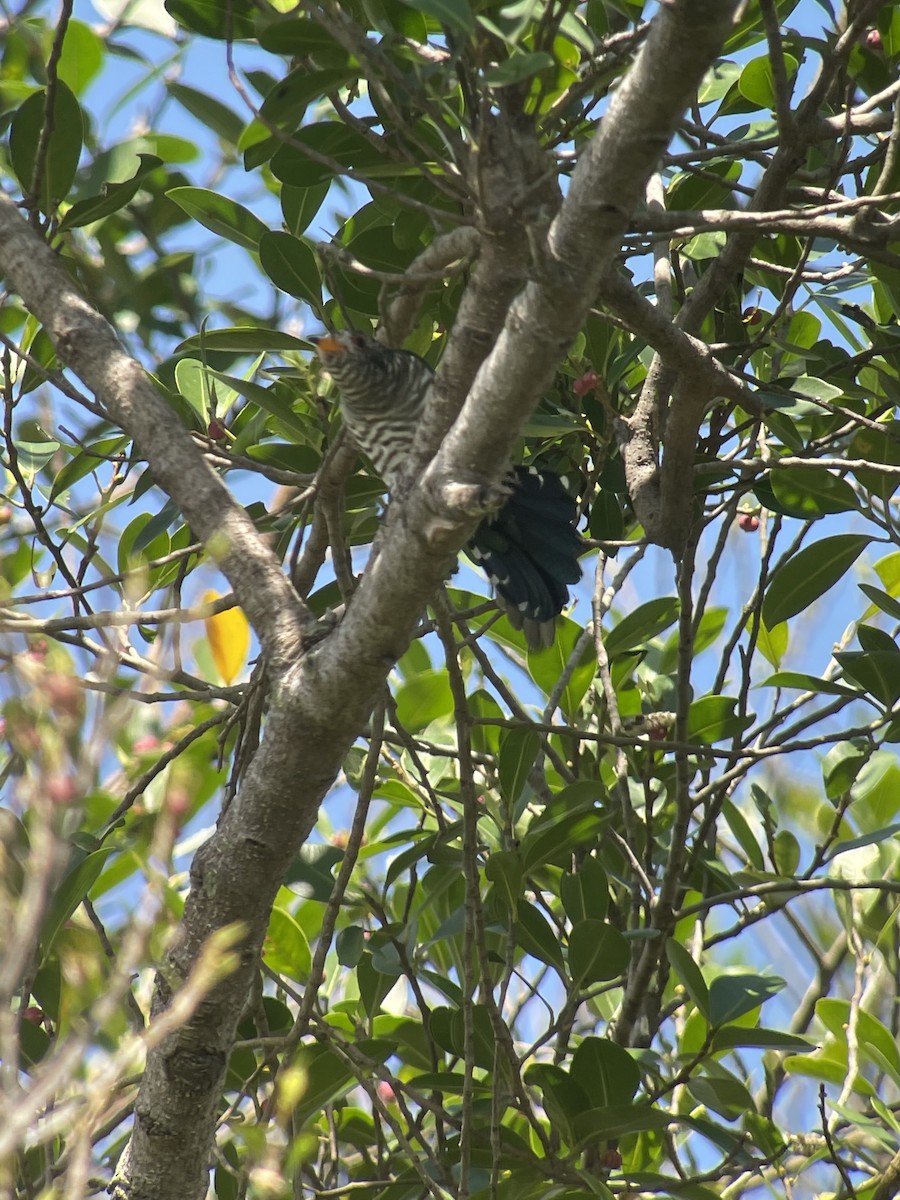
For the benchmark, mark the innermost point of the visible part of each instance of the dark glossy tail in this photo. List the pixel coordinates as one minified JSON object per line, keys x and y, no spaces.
{"x":529,"y":550}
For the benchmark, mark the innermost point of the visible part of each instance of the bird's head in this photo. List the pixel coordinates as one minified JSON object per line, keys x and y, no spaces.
{"x":365,"y":371}
{"x":349,"y":350}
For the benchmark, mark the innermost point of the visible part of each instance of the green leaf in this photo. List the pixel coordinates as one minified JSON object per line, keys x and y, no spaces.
{"x":113,"y":197}
{"x":536,"y":936}
{"x":731,"y":996}
{"x":689,"y":975}
{"x":726,"y":1096}
{"x":285,"y":948}
{"x":221,"y":215}
{"x":213,"y":19}
{"x":879,"y":448}
{"x":504,"y":870}
{"x":85,"y":461}
{"x":877,"y":672}
{"x":242,"y":339}
{"x":733,"y":1036}
{"x":809,"y":574}
{"x":882,"y":600}
{"x":842,"y":765}
{"x":456,"y":13}
{"x":300,"y":205}
{"x":291,"y":265}
{"x":270,"y":400}
{"x":744,"y":835}
{"x":713,"y":719}
{"x":555,"y":842}
{"x":546,"y":666}
{"x":81,"y":58}
{"x":640,"y":626}
{"x":349,"y":945}
{"x":808,"y":683}
{"x":585,"y":893}
{"x":325,"y":1078}
{"x":76,"y":883}
{"x":518,"y":750}
{"x":605,"y":1071}
{"x":517,"y":67}
{"x":374,"y":984}
{"x":563,"y":1097}
{"x":423,"y":700}
{"x":63,"y":146}
{"x":597,"y":952}
{"x":212,"y":113}
{"x":619,"y":1120}
{"x":812,"y":493}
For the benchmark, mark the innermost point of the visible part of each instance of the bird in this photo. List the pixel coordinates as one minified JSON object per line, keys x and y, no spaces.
{"x":528,"y":548}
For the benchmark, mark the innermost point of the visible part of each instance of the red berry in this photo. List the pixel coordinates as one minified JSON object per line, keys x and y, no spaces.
{"x":216,"y":430}
{"x":33,"y":1014}
{"x":386,"y":1093}
{"x":873,"y":39}
{"x":145,"y":744}
{"x":588,"y":382}
{"x":748,"y":522}
{"x":60,"y":789}
{"x":5,"y":514}
{"x":612,"y":1160}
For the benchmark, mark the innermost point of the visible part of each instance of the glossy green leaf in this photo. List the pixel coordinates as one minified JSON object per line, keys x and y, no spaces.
{"x":585,"y":893}
{"x":809,"y":574}
{"x":842,"y":765}
{"x":642,"y":625}
{"x":113,"y":197}
{"x":731,"y":1037}
{"x":220,"y":215}
{"x":713,"y":718}
{"x":81,"y":58}
{"x":504,"y":870}
{"x":211,"y":112}
{"x":286,"y":949}
{"x":797,"y":680}
{"x":232,"y":21}
{"x":597,"y":952}
{"x":689,"y":975}
{"x":731,"y":996}
{"x":877,"y":672}
{"x":812,"y":493}
{"x":242,"y":339}
{"x":325,"y":1078}
{"x":517,"y":67}
{"x":605,"y":1071}
{"x":300,"y":205}
{"x":56,"y":173}
{"x":455,"y":13}
{"x":424,"y":700}
{"x":349,"y":945}
{"x":726,"y":1096}
{"x":292,"y":266}
{"x":518,"y":750}
{"x":880,"y":448}
{"x":555,"y":842}
{"x":536,"y":936}
{"x":883,"y":600}
{"x":619,"y":1120}
{"x":77,"y":882}
{"x":563,"y":1098}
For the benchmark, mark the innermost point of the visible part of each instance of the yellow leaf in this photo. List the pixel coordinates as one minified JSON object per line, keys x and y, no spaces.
{"x":229,"y":639}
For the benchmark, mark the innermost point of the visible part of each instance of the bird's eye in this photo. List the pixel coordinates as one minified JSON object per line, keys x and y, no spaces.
{"x":359,"y":341}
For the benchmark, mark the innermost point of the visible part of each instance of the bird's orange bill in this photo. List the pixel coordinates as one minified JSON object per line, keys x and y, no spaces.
{"x":328,"y":344}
